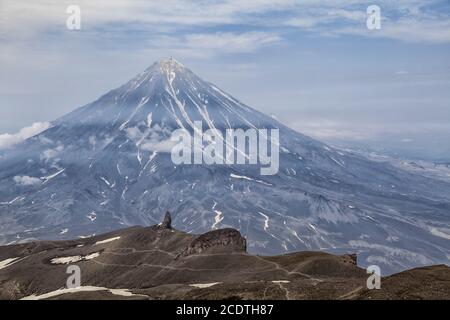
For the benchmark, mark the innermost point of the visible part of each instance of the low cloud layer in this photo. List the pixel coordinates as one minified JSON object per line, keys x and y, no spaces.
{"x":8,"y":140}
{"x":27,"y":181}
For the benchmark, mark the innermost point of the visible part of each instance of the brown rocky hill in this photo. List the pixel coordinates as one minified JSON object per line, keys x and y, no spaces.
{"x":159,"y":262}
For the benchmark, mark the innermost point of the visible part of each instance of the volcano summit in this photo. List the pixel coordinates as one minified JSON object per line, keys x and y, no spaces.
{"x":108,"y":165}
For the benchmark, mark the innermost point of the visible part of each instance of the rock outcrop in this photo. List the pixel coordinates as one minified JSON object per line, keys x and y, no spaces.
{"x":351,"y":258}
{"x":167,"y":222}
{"x":229,"y":240}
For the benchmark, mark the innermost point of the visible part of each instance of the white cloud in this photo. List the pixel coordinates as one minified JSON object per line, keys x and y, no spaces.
{"x":207,"y":45}
{"x":331,"y":130}
{"x":232,"y":42}
{"x":51,"y":153}
{"x":409,"y":17}
{"x":325,"y":17}
{"x":409,"y":29}
{"x":158,"y":146}
{"x":27,"y":17}
{"x":134,"y":133}
{"x":27,"y":180}
{"x":8,"y":140}
{"x":410,"y":21}
{"x":151,"y":140}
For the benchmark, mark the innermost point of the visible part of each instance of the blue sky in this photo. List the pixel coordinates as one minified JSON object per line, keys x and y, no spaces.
{"x":312,"y":64}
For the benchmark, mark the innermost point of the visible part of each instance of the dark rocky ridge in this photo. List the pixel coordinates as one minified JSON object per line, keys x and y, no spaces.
{"x":159,"y":262}
{"x":222,"y":240}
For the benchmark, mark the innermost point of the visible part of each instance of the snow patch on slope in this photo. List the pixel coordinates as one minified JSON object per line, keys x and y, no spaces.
{"x":266,"y":221}
{"x":235,"y":176}
{"x":439,"y":233}
{"x":107,"y":240}
{"x":118,"y":292}
{"x":73,"y":259}
{"x":8,"y":262}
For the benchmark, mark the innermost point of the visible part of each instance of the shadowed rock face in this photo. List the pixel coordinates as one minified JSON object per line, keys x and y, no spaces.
{"x":223,"y":240}
{"x":163,"y":263}
{"x":167,"y":222}
{"x":351,"y":258}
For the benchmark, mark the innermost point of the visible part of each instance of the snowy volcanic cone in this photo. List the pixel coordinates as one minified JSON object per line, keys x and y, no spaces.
{"x":108,"y":165}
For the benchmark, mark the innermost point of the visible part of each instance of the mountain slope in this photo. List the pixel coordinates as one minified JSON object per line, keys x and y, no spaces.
{"x":107,"y":165}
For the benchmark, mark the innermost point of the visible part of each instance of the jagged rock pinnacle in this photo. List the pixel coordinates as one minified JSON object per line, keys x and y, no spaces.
{"x":167,"y":221}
